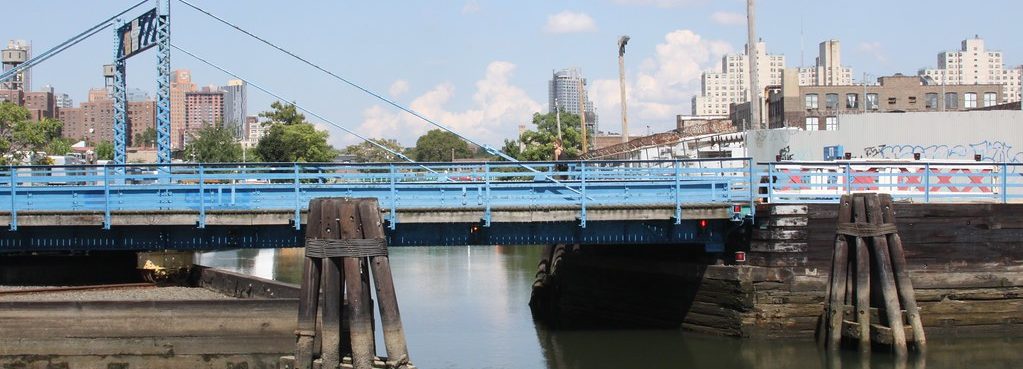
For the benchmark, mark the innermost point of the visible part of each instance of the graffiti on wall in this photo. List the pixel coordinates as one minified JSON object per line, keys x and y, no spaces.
{"x":997,"y":151}
{"x":785,"y":153}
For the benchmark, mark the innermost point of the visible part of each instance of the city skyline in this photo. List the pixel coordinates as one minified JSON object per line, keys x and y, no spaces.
{"x":486,"y":82}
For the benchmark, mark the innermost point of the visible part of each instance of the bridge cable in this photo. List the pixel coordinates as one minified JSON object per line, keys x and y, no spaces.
{"x":259,"y":87}
{"x":486,"y":147}
{"x":66,"y":44}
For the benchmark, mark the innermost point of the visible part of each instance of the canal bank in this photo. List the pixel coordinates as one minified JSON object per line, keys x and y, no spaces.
{"x":965,"y":261}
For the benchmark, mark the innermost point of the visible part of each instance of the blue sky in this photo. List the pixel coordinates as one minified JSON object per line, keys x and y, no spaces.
{"x":482,"y":66}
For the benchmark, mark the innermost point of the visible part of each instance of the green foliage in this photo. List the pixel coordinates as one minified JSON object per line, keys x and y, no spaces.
{"x":145,"y":139}
{"x":286,"y":114}
{"x":59,"y":146}
{"x":292,"y":139}
{"x":366,"y":152}
{"x":540,"y":143}
{"x":213,"y":144}
{"x":105,"y":151}
{"x":21,"y":138}
{"x":440,"y":145}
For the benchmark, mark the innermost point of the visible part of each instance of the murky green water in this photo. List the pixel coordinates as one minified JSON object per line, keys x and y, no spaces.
{"x":467,"y":307}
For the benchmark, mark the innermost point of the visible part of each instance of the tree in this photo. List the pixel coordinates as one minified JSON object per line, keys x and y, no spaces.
{"x":366,"y":152}
{"x":539,"y":144}
{"x":145,"y":139}
{"x":214,"y":144}
{"x":292,"y":139}
{"x":439,"y":145}
{"x":286,"y":114}
{"x":105,"y":151}
{"x":21,"y":138}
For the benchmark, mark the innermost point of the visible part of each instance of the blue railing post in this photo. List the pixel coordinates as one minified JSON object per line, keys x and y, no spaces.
{"x":927,"y":182}
{"x":394,"y":197}
{"x":1005,"y":183}
{"x":14,"y":197}
{"x":678,"y":193}
{"x":106,"y":197}
{"x":486,"y":199}
{"x":848,"y":178}
{"x":753,"y":183}
{"x":298,"y":200}
{"x":582,"y":183}
{"x":770,"y":182}
{"x":202,"y":199}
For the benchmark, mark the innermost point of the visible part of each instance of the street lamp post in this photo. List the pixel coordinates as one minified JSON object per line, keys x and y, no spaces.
{"x":622,"y":41}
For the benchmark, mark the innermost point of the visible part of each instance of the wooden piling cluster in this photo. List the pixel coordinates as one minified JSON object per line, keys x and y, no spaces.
{"x":345,"y":247}
{"x":870,"y":297}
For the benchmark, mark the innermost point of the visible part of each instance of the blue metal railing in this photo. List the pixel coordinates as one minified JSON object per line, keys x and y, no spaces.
{"x":919,"y":181}
{"x":201,"y":188}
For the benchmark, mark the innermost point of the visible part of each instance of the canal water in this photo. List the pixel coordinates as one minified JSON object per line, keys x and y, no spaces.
{"x":467,"y":308}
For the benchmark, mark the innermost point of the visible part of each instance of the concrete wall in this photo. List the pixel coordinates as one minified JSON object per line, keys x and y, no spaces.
{"x":995,"y":135}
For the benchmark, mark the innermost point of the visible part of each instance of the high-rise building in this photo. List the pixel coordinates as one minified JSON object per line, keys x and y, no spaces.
{"x":64,"y":101}
{"x":974,"y":64}
{"x":181,"y":84}
{"x":202,"y":108}
{"x":828,"y":70}
{"x":93,"y":121}
{"x":235,"y":107}
{"x":563,"y":91}
{"x":17,"y":52}
{"x":731,"y":85}
{"x":40,"y":105}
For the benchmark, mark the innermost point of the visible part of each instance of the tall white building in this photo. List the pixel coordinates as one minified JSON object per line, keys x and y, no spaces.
{"x":563,"y":91}
{"x":828,"y":70}
{"x":235,"y":107}
{"x":973,"y":64}
{"x":731,"y":85}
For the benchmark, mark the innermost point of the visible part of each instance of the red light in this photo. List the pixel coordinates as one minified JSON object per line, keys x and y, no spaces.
{"x":740,"y":257}
{"x":737,"y":209}
{"x":703,"y":223}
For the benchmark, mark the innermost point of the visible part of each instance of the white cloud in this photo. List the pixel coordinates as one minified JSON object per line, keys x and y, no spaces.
{"x":471,"y":7}
{"x":874,"y":49}
{"x":570,"y":22}
{"x":398,"y":88}
{"x":496,"y":111}
{"x":662,"y":86}
{"x":660,"y":3}
{"x":728,"y":18}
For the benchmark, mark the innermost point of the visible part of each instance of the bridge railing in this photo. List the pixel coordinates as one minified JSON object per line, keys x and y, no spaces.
{"x":918,"y":181}
{"x":481,"y":186}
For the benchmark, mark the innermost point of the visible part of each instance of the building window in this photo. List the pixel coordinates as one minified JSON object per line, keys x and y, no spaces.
{"x":832,"y":101}
{"x":931,"y":99}
{"x":831,"y":124}
{"x":852,"y":101}
{"x":951,"y":100}
{"x":811,"y":101}
{"x":871,"y":101}
{"x":812,"y":124}
{"x":892,"y":101}
{"x":970,"y":100}
{"x":990,"y":99}
{"x":912,"y":99}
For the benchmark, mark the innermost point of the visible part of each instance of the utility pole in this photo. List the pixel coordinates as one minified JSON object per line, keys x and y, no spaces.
{"x":751,"y":50}
{"x":582,"y":115}
{"x":557,"y":116}
{"x":622,"y":41}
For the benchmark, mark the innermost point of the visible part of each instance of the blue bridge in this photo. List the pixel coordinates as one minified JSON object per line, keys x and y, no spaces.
{"x":203,"y":206}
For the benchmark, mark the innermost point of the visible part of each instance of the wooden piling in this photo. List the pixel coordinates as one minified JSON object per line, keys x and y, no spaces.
{"x":836,"y":301}
{"x":359,"y":308}
{"x":387,"y":300}
{"x":889,"y":292}
{"x":862,"y":279}
{"x":308,"y":304}
{"x":902,"y":281}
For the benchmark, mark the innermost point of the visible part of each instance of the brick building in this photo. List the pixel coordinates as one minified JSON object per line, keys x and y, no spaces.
{"x":202,"y":108}
{"x":94,"y":120}
{"x":818,"y":107}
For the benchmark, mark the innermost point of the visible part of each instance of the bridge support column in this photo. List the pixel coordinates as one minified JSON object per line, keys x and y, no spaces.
{"x":345,"y":240}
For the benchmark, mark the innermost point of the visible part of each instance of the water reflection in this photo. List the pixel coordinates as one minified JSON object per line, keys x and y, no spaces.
{"x":467,"y":307}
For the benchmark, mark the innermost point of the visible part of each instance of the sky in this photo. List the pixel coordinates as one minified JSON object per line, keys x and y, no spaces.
{"x":481,"y":67}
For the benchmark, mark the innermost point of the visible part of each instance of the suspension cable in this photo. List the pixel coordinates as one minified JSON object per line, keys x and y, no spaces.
{"x":259,"y":87}
{"x":67,"y":43}
{"x":486,"y":147}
